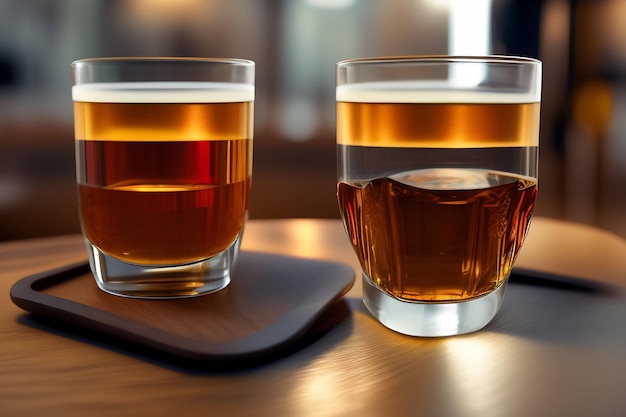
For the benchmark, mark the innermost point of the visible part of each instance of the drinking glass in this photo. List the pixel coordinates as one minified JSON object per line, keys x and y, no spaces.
{"x":163,"y":164}
{"x":437,"y":182}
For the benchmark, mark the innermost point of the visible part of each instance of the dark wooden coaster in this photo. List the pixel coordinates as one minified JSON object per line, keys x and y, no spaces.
{"x":271,"y":303}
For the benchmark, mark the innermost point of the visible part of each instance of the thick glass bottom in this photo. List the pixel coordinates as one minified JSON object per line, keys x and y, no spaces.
{"x":431,"y":319}
{"x":162,"y":282}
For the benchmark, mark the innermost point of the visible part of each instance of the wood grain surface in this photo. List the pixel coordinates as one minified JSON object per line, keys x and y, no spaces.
{"x":551,"y":351}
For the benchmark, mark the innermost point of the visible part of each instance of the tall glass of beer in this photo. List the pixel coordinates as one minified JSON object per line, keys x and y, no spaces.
{"x":437,"y":181}
{"x":164,"y":165}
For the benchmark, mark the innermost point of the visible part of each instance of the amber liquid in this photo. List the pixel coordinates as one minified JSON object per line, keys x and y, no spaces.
{"x":161,"y":183}
{"x":449,"y":241}
{"x":438,"y":125}
{"x":437,"y":197}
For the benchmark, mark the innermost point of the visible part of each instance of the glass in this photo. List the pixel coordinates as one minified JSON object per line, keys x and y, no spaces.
{"x":164,"y":165}
{"x":437,"y":182}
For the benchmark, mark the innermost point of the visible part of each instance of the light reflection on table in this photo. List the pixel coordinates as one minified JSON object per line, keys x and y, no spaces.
{"x":550,"y":351}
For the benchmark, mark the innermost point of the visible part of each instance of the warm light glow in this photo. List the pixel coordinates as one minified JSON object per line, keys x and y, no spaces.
{"x":475,"y":367}
{"x":593,"y":107}
{"x":323,"y":392}
{"x":163,"y":10}
{"x":331,"y":388}
{"x":613,"y":30}
{"x":305,"y":238}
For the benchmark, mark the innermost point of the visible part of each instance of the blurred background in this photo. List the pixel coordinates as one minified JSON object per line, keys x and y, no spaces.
{"x":296,"y":44}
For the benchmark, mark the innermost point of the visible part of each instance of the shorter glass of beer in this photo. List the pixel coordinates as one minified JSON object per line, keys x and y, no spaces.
{"x":163,"y":164}
{"x":437,"y":181}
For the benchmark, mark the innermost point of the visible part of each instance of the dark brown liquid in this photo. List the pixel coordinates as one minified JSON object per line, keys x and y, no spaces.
{"x":169,"y":206}
{"x":437,"y":243}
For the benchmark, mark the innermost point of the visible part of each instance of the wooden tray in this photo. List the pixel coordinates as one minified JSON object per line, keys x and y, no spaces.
{"x":272,"y":304}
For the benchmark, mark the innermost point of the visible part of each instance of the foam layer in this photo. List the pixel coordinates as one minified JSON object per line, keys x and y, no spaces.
{"x":163,"y":92}
{"x":431,"y":92}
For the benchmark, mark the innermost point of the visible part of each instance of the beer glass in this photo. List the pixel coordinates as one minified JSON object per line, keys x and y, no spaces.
{"x":164,"y":165}
{"x":437,"y":181}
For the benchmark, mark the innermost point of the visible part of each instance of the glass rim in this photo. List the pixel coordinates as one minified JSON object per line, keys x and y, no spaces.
{"x":164,"y":59}
{"x":439,"y":59}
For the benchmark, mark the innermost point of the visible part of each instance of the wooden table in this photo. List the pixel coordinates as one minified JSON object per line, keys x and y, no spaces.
{"x":553,"y":350}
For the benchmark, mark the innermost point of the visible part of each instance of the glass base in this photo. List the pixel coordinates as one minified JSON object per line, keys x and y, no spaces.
{"x":431,"y":319}
{"x":162,"y":282}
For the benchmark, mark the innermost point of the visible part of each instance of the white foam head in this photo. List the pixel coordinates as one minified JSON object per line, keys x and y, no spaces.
{"x":163,"y":92}
{"x":427,"y":92}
